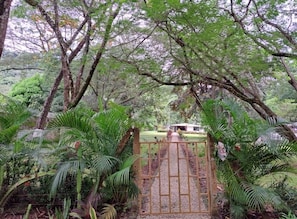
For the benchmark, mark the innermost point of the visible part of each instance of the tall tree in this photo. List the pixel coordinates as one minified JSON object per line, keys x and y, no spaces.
{"x":271,"y":25}
{"x":77,"y":26}
{"x":203,"y":46}
{"x":5,"y":6}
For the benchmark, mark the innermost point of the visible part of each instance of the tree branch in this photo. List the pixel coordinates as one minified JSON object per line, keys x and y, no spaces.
{"x":21,"y":69}
{"x":257,"y":40}
{"x":276,"y":26}
{"x":99,"y":54}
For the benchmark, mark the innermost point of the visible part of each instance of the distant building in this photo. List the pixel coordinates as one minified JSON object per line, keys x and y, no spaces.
{"x":187,"y":127}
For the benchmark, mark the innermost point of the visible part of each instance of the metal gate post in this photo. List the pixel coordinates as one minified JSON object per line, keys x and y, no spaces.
{"x":213,"y":177}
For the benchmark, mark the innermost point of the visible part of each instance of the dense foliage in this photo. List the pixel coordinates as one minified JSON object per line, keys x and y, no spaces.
{"x":90,"y":154}
{"x":248,"y":151}
{"x":162,"y":60}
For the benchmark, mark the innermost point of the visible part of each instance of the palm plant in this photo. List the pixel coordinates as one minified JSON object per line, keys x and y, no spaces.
{"x":247,"y":160}
{"x":89,"y":149}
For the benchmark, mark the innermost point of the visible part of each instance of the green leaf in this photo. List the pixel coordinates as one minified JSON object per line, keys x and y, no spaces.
{"x":92,"y":213}
{"x":26,"y":216}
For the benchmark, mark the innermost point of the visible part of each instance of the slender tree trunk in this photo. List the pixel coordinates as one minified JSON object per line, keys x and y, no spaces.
{"x":41,"y":122}
{"x":4,"y":16}
{"x":124,"y":141}
{"x":97,"y":58}
{"x":292,"y":79}
{"x":66,"y":79}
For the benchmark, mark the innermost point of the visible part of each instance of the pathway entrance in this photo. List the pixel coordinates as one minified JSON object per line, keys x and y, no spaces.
{"x":175,"y":180}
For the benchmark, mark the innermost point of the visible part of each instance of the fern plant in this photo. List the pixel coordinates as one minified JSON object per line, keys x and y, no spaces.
{"x":21,"y":160}
{"x":290,"y":215}
{"x":247,"y":159}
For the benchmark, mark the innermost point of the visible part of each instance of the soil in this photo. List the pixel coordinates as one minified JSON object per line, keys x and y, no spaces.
{"x":19,"y":212}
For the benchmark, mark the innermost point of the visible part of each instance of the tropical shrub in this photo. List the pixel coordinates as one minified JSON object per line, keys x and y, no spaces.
{"x":287,"y":192}
{"x":242,"y":159}
{"x":29,"y":91}
{"x":92,"y":146}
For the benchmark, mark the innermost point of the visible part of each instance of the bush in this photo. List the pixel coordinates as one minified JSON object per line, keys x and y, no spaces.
{"x":287,"y":193}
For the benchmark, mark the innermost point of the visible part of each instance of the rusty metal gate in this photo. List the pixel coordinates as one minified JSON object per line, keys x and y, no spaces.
{"x":175,"y":177}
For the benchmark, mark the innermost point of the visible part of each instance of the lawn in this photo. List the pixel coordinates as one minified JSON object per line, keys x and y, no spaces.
{"x":151,"y":136}
{"x":195,"y":137}
{"x":149,"y":145}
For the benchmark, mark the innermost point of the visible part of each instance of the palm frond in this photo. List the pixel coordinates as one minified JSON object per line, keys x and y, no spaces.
{"x":6,"y":135}
{"x":103,"y":163}
{"x":129,"y":161}
{"x":60,"y":177}
{"x":133,"y":190}
{"x":233,"y":187}
{"x":113,"y":122}
{"x":237,"y":211}
{"x":258,"y":197}
{"x":71,"y":119}
{"x":108,"y":212}
{"x":12,"y":113}
{"x":255,"y":197}
{"x":121,"y":177}
{"x":69,"y":167}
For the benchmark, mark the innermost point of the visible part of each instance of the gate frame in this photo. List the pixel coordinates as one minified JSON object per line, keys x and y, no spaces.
{"x":210,"y":148}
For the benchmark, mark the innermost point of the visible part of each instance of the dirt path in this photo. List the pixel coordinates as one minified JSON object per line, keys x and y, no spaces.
{"x":173,"y":192}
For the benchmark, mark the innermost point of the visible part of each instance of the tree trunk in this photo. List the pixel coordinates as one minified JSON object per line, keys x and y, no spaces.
{"x":41,"y":122}
{"x":66,"y":79}
{"x":124,"y":141}
{"x":4,"y":16}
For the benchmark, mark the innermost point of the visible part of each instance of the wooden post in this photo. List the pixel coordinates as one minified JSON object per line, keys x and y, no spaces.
{"x":136,"y":166}
{"x":213,"y":185}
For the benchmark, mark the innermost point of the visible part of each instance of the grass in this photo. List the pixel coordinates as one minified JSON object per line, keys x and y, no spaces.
{"x":149,"y":145}
{"x":195,"y":137}
{"x":150,"y":136}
